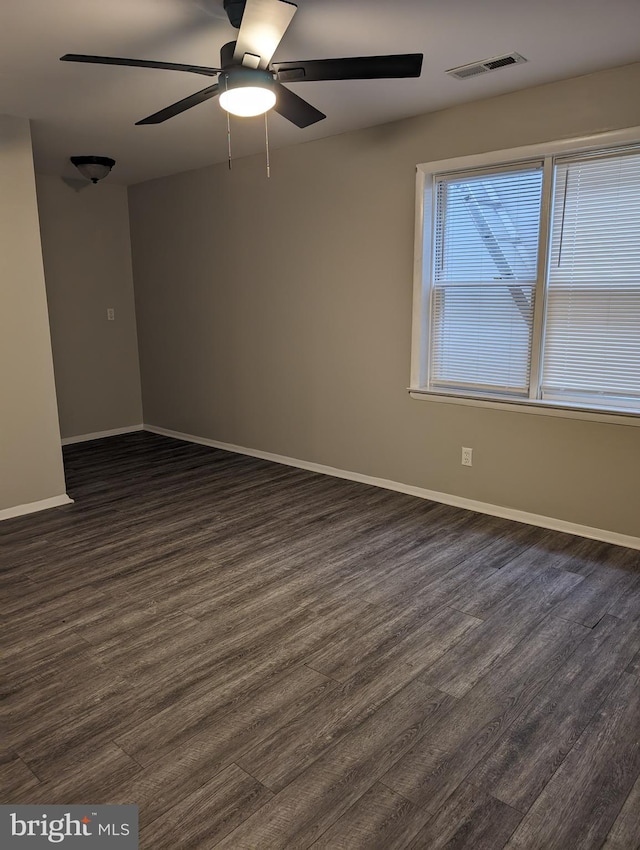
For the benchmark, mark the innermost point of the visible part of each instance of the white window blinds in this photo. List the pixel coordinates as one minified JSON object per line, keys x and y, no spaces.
{"x":484,"y":277}
{"x":592,"y":335}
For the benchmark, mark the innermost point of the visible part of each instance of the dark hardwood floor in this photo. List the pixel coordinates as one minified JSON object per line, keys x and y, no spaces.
{"x":261,"y":657}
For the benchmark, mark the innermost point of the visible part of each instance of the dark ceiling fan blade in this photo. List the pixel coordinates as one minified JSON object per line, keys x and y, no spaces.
{"x":294,"y":108}
{"x":353,"y":68}
{"x":264,"y":22}
{"x":181,"y":105}
{"x":139,"y":63}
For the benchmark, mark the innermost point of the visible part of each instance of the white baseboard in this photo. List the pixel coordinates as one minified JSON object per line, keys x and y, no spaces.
{"x":99,"y":435}
{"x":32,"y":507}
{"x":432,"y":495}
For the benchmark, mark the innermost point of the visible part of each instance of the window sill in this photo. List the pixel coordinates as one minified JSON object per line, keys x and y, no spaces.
{"x":541,"y":408}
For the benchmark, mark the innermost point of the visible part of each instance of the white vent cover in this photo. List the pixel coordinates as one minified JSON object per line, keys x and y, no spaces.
{"x":462,"y":72}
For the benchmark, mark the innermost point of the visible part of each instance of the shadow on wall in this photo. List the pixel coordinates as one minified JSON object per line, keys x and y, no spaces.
{"x":76,"y":185}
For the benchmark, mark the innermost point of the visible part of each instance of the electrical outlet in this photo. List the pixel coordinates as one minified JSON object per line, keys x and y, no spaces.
{"x":467,"y":457}
{"x":111,"y":314}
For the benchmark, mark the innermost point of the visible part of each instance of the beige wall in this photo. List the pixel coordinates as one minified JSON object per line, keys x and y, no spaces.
{"x":30,"y":456}
{"x":276,"y":314}
{"x":87,"y":264}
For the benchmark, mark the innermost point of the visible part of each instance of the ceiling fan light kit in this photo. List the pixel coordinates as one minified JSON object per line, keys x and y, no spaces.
{"x":94,"y":168}
{"x":246,"y":91}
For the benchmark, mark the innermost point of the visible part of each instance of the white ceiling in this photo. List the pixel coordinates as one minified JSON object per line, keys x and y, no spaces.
{"x":91,"y":109}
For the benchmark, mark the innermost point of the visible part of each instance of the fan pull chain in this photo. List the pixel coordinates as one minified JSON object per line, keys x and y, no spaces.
{"x":266,"y":136}
{"x":229,"y":140}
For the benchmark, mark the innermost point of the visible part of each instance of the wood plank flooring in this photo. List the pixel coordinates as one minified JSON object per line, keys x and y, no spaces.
{"x":261,"y":657}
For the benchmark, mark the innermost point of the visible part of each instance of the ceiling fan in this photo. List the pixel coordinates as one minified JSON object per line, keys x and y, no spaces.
{"x":248,"y":83}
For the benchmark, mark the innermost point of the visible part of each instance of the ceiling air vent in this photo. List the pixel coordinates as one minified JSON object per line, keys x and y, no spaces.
{"x":477,"y":68}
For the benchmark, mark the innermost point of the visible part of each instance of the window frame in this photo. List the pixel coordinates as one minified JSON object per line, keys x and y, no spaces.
{"x":423,"y":263}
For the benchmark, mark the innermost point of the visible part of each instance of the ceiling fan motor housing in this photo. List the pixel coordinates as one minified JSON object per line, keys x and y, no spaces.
{"x":226,"y":55}
{"x":238,"y":76}
{"x":234,"y":75}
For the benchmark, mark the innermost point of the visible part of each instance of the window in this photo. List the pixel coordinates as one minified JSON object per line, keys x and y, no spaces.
{"x":528,"y":279}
